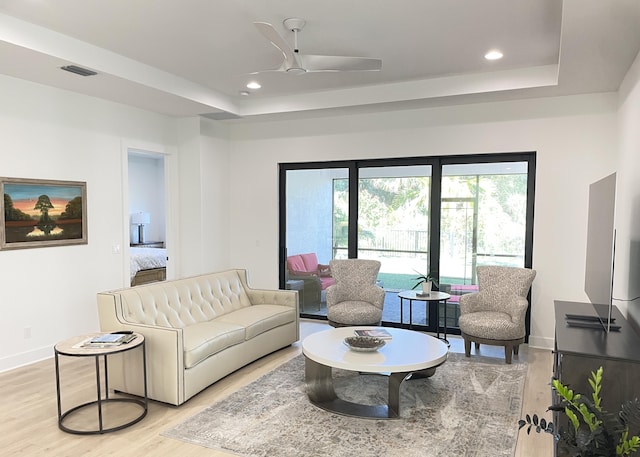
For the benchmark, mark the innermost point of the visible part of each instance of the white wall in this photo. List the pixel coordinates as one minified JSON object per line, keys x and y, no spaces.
{"x":627,"y":276}
{"x":214,"y":246}
{"x":575,"y":139}
{"x":54,"y":134}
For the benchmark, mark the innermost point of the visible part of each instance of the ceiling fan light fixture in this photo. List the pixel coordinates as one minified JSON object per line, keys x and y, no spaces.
{"x":493,"y":54}
{"x":253,"y":85}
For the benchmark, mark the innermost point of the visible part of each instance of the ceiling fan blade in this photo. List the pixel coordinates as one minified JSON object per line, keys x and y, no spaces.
{"x":339,"y":63}
{"x":280,"y":69}
{"x":280,"y":43}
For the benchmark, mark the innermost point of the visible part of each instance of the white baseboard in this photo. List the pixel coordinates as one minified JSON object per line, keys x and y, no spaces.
{"x":541,"y":342}
{"x":25,"y":358}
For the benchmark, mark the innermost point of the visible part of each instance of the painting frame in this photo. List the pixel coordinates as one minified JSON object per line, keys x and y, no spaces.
{"x":42,"y":212}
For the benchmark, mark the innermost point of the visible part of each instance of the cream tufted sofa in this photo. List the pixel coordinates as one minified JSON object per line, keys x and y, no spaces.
{"x":197,"y":331}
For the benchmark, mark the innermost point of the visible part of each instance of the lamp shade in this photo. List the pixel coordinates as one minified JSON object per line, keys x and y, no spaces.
{"x":140,"y":218}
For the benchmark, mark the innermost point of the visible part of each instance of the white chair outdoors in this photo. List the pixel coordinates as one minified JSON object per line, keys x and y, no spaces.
{"x":495,"y":315}
{"x":354,"y":299}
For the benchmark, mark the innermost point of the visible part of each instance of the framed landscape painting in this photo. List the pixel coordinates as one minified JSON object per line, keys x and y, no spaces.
{"x":39,"y":213}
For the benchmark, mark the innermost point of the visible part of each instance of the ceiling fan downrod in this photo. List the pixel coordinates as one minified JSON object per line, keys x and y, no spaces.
{"x":295,"y":25}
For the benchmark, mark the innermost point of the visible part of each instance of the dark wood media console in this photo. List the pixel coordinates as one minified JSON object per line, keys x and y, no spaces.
{"x":579,"y":351}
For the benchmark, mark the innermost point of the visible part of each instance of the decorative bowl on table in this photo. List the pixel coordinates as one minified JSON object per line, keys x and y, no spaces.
{"x":364,"y":343}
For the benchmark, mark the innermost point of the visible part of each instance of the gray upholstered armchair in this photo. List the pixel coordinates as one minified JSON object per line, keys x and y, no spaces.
{"x":495,"y":315}
{"x":354,"y":299}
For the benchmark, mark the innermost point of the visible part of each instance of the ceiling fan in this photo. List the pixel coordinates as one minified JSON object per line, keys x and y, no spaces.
{"x":297,"y":63}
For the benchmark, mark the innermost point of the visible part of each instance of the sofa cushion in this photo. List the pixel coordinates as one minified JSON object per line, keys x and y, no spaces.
{"x":207,"y":338}
{"x":295,"y":263}
{"x":302,"y":273}
{"x":258,"y":319}
{"x":310,"y":261}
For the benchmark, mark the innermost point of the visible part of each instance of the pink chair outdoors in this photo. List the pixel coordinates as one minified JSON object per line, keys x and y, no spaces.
{"x":307,"y":265}
{"x":315,"y":277}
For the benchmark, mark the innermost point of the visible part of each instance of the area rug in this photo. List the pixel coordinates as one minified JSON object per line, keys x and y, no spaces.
{"x":470,"y":407}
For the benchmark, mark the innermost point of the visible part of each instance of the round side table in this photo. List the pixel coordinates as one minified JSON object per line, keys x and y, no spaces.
{"x":73,"y":347}
{"x":432,"y":297}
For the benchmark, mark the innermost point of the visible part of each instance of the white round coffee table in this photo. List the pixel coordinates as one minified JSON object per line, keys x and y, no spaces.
{"x":407,"y":353}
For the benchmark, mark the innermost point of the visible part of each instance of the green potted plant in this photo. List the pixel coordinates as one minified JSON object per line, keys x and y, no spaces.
{"x":427,"y":281}
{"x":592,"y":431}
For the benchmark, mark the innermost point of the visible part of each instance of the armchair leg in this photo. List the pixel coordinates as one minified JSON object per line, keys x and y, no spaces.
{"x":508,"y":350}
{"x":511,"y":347}
{"x":467,"y":347}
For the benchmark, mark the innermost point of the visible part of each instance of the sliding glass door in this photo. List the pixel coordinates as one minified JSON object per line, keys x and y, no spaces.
{"x":483,"y":222}
{"x":394,"y":214}
{"x":437,"y":215}
{"x":312,"y":236}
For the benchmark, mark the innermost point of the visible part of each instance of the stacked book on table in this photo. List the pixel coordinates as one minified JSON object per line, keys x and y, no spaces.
{"x":373,"y":333}
{"x":109,"y":340}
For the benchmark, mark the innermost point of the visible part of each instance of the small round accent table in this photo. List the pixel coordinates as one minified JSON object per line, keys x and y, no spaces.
{"x":73,"y":347}
{"x":432,"y":297}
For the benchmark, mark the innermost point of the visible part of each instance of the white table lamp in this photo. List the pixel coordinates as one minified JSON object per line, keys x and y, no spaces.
{"x":140,"y":219}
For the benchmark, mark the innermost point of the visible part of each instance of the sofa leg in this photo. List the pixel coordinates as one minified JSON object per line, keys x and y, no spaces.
{"x":477,"y":346}
{"x":467,"y":348}
{"x":516,"y":348}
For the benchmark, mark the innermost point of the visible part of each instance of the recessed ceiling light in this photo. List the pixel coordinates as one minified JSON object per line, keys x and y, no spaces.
{"x":244,"y":93}
{"x":254,"y":85}
{"x":494,"y":54}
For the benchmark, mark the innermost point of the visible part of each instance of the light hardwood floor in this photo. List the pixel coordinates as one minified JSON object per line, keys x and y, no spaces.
{"x":28,"y":415}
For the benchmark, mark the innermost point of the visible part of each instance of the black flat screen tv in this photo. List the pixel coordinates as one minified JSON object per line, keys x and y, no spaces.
{"x":600,"y":258}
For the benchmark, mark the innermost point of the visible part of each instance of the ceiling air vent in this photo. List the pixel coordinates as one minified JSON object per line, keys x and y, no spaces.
{"x":79,"y":70}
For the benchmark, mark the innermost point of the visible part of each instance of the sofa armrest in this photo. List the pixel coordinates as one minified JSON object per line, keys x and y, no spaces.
{"x":269,"y":296}
{"x":273,"y":297}
{"x":164,"y":355}
{"x":324,"y":270}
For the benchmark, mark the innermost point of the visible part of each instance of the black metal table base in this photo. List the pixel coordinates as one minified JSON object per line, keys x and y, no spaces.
{"x":99,"y":405}
{"x":427,"y":303}
{"x":101,"y":399}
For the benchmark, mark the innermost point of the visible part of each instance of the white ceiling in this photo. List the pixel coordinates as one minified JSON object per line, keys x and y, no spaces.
{"x":193,"y":57}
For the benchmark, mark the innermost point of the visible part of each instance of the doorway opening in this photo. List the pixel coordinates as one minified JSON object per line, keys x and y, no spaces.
{"x":147,"y":217}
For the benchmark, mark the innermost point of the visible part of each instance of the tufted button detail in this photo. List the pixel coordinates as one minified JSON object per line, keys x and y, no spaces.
{"x":185,"y":302}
